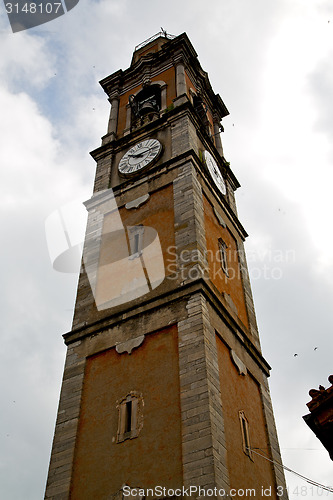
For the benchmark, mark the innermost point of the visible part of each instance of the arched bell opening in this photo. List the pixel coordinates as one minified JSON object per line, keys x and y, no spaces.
{"x":145,"y":105}
{"x":201,"y":110}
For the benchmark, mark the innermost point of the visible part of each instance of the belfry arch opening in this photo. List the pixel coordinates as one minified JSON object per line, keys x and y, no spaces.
{"x":147,"y":103}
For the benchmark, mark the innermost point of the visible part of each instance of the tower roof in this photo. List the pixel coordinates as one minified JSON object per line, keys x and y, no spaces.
{"x":152,"y":44}
{"x":162,"y":48}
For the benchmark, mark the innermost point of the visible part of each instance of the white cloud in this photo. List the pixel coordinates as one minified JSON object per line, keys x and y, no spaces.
{"x":271,"y":65}
{"x":36,"y":176}
{"x":25,"y":59}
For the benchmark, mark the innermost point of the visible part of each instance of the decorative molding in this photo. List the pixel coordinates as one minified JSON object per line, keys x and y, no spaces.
{"x":219,"y":218}
{"x":238,"y":362}
{"x":230,"y":303}
{"x":137,"y":202}
{"x":129,"y":345}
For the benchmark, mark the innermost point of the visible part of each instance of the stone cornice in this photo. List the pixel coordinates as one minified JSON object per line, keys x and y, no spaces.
{"x":127,"y":312}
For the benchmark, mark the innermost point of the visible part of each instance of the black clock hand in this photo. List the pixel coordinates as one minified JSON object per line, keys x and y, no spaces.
{"x":136,"y":155}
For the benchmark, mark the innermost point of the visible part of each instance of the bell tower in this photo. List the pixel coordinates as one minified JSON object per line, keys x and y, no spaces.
{"x":164,"y":385}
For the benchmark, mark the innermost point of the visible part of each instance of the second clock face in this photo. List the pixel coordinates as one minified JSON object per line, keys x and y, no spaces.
{"x":140,"y":156}
{"x":215,"y":172}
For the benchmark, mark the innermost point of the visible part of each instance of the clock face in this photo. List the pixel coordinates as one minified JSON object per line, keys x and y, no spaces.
{"x":140,"y":156}
{"x":215,"y":172}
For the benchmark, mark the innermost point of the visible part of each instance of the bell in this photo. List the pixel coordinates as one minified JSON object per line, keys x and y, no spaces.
{"x":146,"y":108}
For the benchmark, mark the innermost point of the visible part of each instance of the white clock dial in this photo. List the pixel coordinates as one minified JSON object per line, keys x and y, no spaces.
{"x":215,"y":172}
{"x":140,"y":156}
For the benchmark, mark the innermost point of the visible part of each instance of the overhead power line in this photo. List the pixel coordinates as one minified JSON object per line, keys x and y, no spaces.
{"x":308,"y":480}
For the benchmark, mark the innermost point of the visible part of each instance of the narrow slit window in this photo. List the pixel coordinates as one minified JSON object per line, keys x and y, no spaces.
{"x":223,"y":256}
{"x":130,"y":417}
{"x":245,"y":434}
{"x":136,"y":243}
{"x":135,"y":235}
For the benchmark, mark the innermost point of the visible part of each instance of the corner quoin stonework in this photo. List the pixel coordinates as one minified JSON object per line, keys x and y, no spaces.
{"x":60,"y":471}
{"x":203,"y":442}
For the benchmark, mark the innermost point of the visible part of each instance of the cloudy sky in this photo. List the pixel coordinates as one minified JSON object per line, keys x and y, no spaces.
{"x":272,"y":63}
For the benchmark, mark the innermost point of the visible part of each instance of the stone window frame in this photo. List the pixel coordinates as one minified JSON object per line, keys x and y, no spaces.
{"x":223,"y":256}
{"x":244,"y":425}
{"x":131,"y":406}
{"x":135,"y":237}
